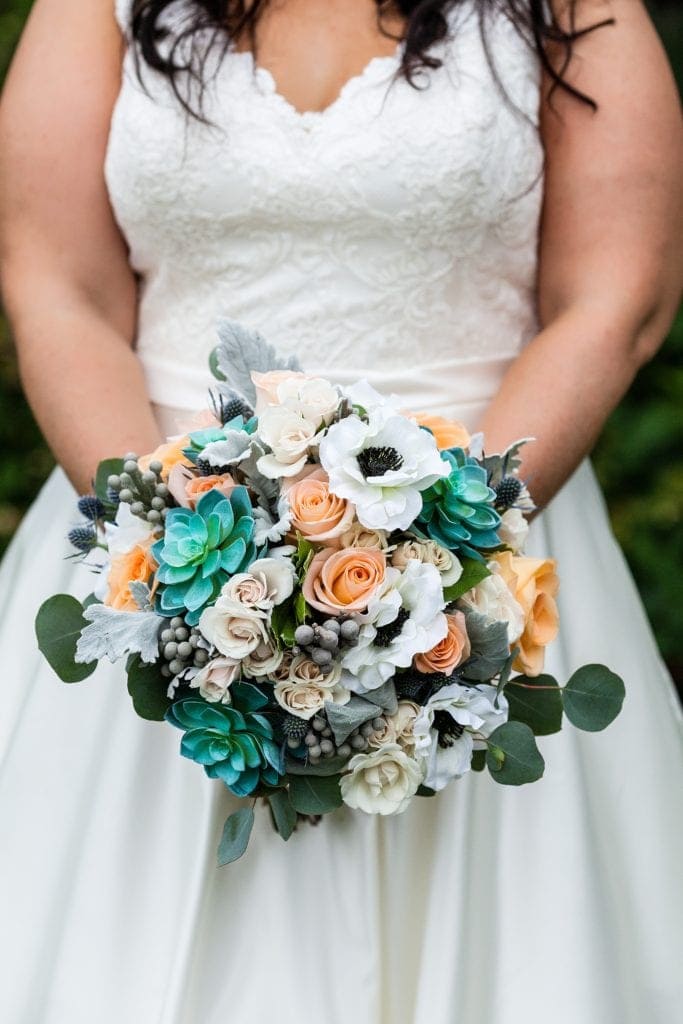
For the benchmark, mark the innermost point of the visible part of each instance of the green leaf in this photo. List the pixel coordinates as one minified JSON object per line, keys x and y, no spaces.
{"x":235,"y":838}
{"x":315,"y":795}
{"x":540,"y":709}
{"x":512,"y":756}
{"x":473,"y":572}
{"x":425,"y":791}
{"x":283,"y":622}
{"x":300,"y":608}
{"x":304,"y":555}
{"x":247,"y":697}
{"x":147,"y":687}
{"x":213,"y":365}
{"x":284,"y":814}
{"x":106,"y":468}
{"x":478,"y":760}
{"x":593,"y":697}
{"x":59,"y":623}
{"x":324,"y":767}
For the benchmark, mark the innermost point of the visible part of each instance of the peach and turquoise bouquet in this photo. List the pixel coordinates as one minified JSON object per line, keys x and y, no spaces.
{"x":327,"y":595}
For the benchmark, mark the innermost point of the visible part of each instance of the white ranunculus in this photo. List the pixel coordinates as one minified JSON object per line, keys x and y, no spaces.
{"x":289,"y":435}
{"x":234,"y":629}
{"x":382,"y":781}
{"x":415,"y":593}
{"x":313,"y":398}
{"x":513,"y":529}
{"x":448,"y":754}
{"x":263,"y":662}
{"x":449,"y":566}
{"x":493,"y":599}
{"x":353,"y":453}
{"x":307,"y":688}
{"x":214,"y":680}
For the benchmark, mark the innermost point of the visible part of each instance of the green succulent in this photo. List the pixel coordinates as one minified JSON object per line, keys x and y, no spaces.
{"x":200,"y":550}
{"x":234,"y":746}
{"x":458,"y":510}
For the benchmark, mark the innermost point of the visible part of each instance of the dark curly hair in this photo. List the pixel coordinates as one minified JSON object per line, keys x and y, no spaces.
{"x":216,"y":22}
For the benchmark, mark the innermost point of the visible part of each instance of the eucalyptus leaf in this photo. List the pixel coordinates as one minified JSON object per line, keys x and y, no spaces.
{"x":325,"y":767}
{"x":315,"y":795}
{"x":473,"y":572}
{"x":593,"y":697}
{"x":490,"y":648}
{"x":540,"y":709}
{"x":148,"y":689}
{"x":59,"y":624}
{"x":344,"y":718}
{"x":236,"y":833}
{"x":478,"y":760}
{"x":242,"y":350}
{"x":284,"y":814}
{"x":512,"y":757}
{"x":113,"y":634}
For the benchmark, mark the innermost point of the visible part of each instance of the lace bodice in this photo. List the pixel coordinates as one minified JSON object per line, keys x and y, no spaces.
{"x":393,"y":235}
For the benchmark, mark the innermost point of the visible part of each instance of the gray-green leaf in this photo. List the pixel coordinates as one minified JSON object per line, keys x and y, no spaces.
{"x":59,"y":624}
{"x":316,"y":795}
{"x":512,"y":756}
{"x":240,"y":351}
{"x":113,"y":634}
{"x":540,"y":709}
{"x":236,"y":832}
{"x":384,"y":697}
{"x":344,"y":718}
{"x":148,"y":690}
{"x":593,"y":697}
{"x":284,"y":814}
{"x":490,"y":647}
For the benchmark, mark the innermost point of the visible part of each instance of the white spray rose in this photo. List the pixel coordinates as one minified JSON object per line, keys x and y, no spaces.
{"x":431,"y":553}
{"x":214,"y":680}
{"x":289,"y":435}
{"x":233,"y":629}
{"x":382,"y":781}
{"x":313,"y":398}
{"x":307,"y":688}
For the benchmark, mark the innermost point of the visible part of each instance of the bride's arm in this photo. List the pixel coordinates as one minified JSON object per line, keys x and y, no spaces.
{"x":611,"y":254}
{"x":67,"y":285}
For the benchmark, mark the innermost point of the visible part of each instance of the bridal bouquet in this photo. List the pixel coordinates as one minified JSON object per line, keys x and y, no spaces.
{"x":326,"y":594}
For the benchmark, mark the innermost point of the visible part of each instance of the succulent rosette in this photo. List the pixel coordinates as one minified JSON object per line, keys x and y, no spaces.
{"x":326,"y":594}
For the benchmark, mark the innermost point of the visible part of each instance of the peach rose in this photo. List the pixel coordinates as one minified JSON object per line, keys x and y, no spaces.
{"x":169,"y":455}
{"x":266,"y":385}
{"x":447,"y":433}
{"x":137,"y":565}
{"x":317,"y":514}
{"x":199,"y":485}
{"x":534,"y":585}
{"x":343,"y":581}
{"x":449,"y":652}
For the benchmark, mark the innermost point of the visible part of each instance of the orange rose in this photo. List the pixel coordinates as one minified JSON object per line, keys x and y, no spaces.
{"x":343,"y":581}
{"x":169,"y":455}
{"x":137,"y":565}
{"x":449,"y":652}
{"x":534,"y":584}
{"x":447,"y":433}
{"x":317,"y":514}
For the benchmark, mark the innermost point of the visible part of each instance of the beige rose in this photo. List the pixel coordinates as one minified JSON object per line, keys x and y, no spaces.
{"x":382,"y":781}
{"x":263,"y":662}
{"x":447,"y":433}
{"x":449,"y":652}
{"x":403,"y":722}
{"x":534,"y":584}
{"x":359,"y":536}
{"x":430,"y":553}
{"x":307,"y":688}
{"x":214,"y":680}
{"x":316,"y":513}
{"x":233,"y":629}
{"x":289,"y":435}
{"x":343,"y":581}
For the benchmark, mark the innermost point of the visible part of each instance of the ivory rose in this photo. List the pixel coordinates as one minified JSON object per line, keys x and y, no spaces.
{"x":317,"y":514}
{"x":264,"y":661}
{"x":314,"y":398}
{"x":430,"y":553}
{"x":289,"y":435}
{"x":235,"y":631}
{"x":381,"y":781}
{"x":447,"y":433}
{"x":449,"y":652}
{"x":169,"y":455}
{"x":343,"y":581}
{"x":534,"y":584}
{"x":307,"y":688}
{"x":214,"y":680}
{"x":135,"y":565}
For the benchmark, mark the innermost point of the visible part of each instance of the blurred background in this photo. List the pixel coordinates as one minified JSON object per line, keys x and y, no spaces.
{"x":639,"y":458}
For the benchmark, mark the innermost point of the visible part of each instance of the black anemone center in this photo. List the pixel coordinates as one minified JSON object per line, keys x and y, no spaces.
{"x":387,"y":634}
{"x":448,"y":729}
{"x":376,"y":461}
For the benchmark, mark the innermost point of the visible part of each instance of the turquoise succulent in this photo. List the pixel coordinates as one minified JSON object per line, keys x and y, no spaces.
{"x":458,"y":510}
{"x":200,"y":550}
{"x":236,"y":747}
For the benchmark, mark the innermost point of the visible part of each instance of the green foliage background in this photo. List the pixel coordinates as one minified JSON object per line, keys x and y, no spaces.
{"x":639,"y":458}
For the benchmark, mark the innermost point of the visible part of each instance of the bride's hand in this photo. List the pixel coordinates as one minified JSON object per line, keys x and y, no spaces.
{"x":611,"y":254}
{"x":67,"y":285}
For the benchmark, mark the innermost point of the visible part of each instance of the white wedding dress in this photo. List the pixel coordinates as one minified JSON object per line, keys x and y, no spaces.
{"x":392,"y":236}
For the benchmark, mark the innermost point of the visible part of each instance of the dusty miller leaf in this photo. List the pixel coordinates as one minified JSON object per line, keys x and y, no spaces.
{"x":113,"y":634}
{"x":490,"y":647}
{"x":240,"y":351}
{"x":141,"y":594}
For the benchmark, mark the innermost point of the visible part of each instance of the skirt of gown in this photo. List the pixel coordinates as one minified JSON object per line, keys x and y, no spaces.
{"x":483,"y":905}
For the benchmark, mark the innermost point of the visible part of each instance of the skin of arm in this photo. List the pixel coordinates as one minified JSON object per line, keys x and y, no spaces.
{"x":611,"y":256}
{"x":67,"y":285}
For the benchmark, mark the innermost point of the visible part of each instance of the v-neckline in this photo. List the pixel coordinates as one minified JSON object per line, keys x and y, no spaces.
{"x":310,"y":117}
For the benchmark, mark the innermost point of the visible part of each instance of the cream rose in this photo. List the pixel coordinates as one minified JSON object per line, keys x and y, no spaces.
{"x":382,"y":781}
{"x":449,"y":652}
{"x":267,"y":385}
{"x":289,"y":435}
{"x":534,"y":583}
{"x":214,"y":680}
{"x":404,"y":721}
{"x":430,"y":553}
{"x":270,"y":581}
{"x":343,"y":581}
{"x":234,"y":630}
{"x":314,"y":398}
{"x":263,"y":662}
{"x":316,"y":513}
{"x":359,"y":536}
{"x":307,"y":688}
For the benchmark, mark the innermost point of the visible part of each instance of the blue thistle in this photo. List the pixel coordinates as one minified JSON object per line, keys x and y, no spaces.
{"x":90,"y":506}
{"x":83,"y":537}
